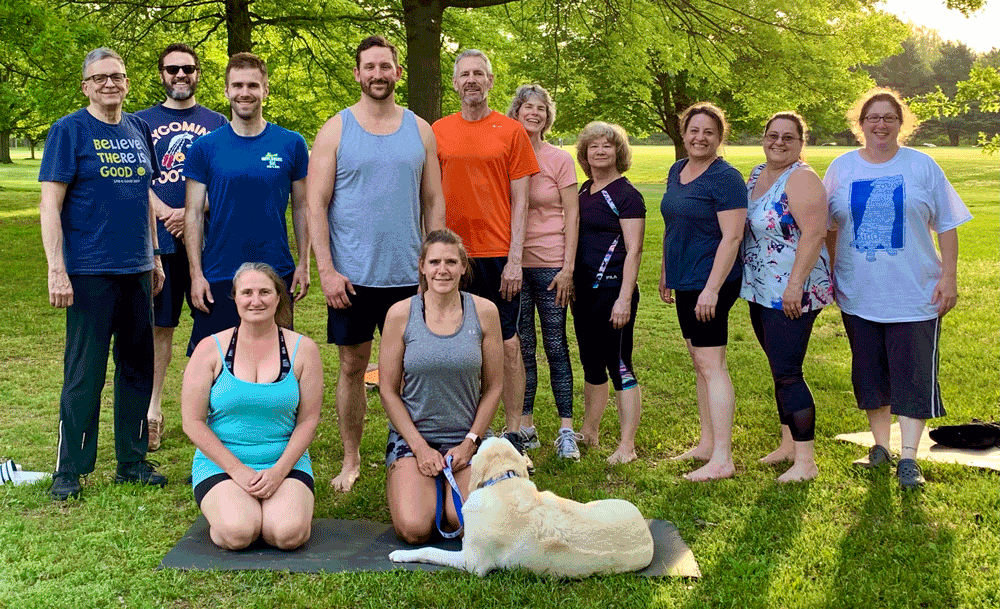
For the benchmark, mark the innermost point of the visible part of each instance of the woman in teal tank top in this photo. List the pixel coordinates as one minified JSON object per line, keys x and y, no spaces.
{"x":440,"y":376}
{"x":251,"y":411}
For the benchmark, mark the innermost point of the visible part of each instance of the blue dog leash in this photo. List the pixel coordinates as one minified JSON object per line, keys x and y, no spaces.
{"x":446,"y":474}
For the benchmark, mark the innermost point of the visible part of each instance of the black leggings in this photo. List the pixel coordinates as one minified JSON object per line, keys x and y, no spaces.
{"x":552,"y":319}
{"x":604,"y":351}
{"x":785,"y":342}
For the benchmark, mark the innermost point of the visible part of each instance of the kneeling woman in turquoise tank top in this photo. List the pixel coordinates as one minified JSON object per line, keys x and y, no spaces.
{"x":440,"y":376}
{"x":251,"y":411}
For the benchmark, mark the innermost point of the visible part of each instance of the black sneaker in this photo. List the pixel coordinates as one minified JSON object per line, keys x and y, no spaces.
{"x":64,"y":486}
{"x":516,"y":439}
{"x":142,"y":472}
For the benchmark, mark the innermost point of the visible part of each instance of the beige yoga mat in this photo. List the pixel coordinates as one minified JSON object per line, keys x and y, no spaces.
{"x":928,"y":450}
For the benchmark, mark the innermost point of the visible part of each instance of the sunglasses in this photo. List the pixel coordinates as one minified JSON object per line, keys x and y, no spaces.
{"x":173,"y":70}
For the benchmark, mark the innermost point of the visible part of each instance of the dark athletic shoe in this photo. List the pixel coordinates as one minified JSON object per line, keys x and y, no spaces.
{"x":142,"y":472}
{"x":64,"y":486}
{"x":909,"y":474}
{"x":877,"y":456}
{"x":516,"y":439}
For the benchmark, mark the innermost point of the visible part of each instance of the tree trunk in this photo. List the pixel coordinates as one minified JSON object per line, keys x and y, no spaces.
{"x":31,"y":147}
{"x":5,"y":147}
{"x":422,"y":19}
{"x":238,"y":27}
{"x":673,"y":99}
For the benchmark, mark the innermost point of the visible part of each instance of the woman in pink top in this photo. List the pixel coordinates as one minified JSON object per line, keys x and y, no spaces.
{"x":547,"y":263}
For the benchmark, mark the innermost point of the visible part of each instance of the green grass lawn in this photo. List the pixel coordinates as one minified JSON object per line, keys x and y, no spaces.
{"x":848,"y":539}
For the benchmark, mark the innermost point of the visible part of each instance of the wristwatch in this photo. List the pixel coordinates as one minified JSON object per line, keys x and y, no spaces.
{"x":475,"y":439}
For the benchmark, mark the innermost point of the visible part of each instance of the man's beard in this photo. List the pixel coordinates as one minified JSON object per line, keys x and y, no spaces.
{"x":176,"y":95}
{"x":389,"y":88}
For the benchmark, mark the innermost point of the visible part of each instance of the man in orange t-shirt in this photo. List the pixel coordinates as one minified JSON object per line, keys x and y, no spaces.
{"x":486,"y":160}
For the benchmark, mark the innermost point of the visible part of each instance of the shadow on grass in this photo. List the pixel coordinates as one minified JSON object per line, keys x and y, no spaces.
{"x":912,"y":554}
{"x":738,"y":566}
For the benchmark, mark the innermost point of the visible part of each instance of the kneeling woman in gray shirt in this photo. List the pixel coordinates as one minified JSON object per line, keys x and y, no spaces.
{"x":440,"y":377}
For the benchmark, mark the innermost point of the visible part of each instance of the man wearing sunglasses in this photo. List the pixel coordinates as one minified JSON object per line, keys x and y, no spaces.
{"x":175,"y":124}
{"x":99,"y":236}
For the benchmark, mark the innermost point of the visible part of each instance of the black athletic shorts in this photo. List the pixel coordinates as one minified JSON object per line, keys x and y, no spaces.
{"x":206,"y":485}
{"x":486,"y":275}
{"x":896,"y":365}
{"x":167,"y":305}
{"x":714,"y":332}
{"x":356,"y":324}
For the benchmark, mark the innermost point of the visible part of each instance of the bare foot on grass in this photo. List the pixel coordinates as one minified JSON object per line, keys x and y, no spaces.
{"x":344,"y":481}
{"x":590,"y":439}
{"x":779,"y":455}
{"x":712,"y":471}
{"x":799,"y":473}
{"x":621,"y":456}
{"x":698,"y":453}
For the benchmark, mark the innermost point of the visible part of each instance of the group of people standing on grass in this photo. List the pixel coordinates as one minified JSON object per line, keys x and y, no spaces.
{"x":139,"y":211}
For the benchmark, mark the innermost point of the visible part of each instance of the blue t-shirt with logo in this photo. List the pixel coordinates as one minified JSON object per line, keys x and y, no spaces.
{"x":173,"y":132}
{"x":105,"y":213}
{"x":249,"y":180}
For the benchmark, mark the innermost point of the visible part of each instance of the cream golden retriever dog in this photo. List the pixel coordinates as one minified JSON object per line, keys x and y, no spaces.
{"x":509,"y":524}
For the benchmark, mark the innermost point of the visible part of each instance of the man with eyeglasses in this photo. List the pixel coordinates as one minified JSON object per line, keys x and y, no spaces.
{"x":248,"y":169}
{"x":99,"y":235}
{"x":175,"y":124}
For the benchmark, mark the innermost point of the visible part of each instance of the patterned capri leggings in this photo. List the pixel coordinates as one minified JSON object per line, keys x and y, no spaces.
{"x":534,"y":294}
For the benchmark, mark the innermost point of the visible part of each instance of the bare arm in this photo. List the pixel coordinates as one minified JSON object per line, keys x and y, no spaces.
{"x":158,"y":276}
{"x":633,"y":230}
{"x":808,"y":205}
{"x":322,"y":178}
{"x":309,"y":372}
{"x":200,"y":373}
{"x":195,"y":203}
{"x":510,"y":281}
{"x":563,"y":281}
{"x":946,"y":290}
{"x":173,"y":219}
{"x":491,"y":384}
{"x":300,"y":226}
{"x":390,"y":382}
{"x":732,"y":222}
{"x":49,"y":209}
{"x":432,"y":201}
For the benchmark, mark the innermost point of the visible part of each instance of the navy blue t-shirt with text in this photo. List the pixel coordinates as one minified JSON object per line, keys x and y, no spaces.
{"x":249,"y":180}
{"x":691,"y":231}
{"x":107,"y":170}
{"x":173,"y":132}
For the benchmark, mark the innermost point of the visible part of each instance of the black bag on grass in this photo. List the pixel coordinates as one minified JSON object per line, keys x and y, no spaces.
{"x":977,"y":434}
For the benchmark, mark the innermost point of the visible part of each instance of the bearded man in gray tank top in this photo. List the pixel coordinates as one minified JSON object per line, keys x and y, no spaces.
{"x":374,"y":190}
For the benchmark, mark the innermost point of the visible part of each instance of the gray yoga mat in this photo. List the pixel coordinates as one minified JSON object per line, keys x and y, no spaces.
{"x":361,"y":545}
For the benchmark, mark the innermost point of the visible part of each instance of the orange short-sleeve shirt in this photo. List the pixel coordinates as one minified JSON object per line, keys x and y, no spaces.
{"x":478,"y":161}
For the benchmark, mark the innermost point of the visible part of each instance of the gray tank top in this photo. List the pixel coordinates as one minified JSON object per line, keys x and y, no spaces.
{"x":375,"y":211}
{"x":442,"y":374}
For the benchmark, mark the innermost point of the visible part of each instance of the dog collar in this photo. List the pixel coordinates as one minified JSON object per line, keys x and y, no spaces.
{"x":508,"y":474}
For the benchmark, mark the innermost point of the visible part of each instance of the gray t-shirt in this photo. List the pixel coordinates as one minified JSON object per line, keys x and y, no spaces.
{"x":442,"y":375}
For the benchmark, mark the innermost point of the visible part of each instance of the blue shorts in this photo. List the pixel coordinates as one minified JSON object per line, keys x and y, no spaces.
{"x":167,"y":305}
{"x":222,"y":313}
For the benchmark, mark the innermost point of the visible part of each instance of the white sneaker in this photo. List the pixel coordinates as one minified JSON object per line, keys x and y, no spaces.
{"x":566,"y":447}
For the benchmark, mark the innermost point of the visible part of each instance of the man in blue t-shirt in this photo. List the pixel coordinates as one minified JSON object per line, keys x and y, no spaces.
{"x":175,"y":124}
{"x":99,"y":236}
{"x":247,"y":169}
